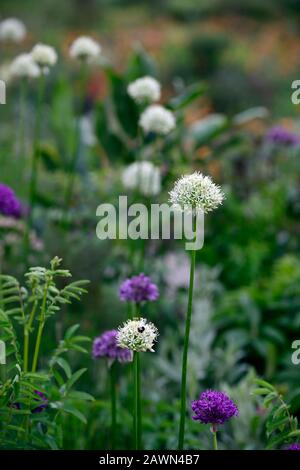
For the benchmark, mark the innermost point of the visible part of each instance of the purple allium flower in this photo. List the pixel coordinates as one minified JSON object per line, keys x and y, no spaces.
{"x":42,"y":402}
{"x":9,"y":203}
{"x":106,"y":346}
{"x":282,"y":136}
{"x":294,"y":446}
{"x":214,"y":407}
{"x":138,"y":289}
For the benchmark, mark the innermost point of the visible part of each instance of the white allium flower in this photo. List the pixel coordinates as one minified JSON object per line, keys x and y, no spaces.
{"x":137,"y":335}
{"x":24,"y":66}
{"x":12,"y":29}
{"x":43,"y":55}
{"x":157,"y":119}
{"x":143,"y":176}
{"x":196,"y":191}
{"x":84,"y":48}
{"x":145,"y":89}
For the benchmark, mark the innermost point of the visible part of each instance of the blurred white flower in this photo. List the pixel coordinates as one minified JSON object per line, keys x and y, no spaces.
{"x":196,"y":191}
{"x":143,"y":176}
{"x":12,"y":29}
{"x":137,"y":335}
{"x":157,"y":119}
{"x":24,"y":66}
{"x":145,"y":89}
{"x":44,"y":56}
{"x":85,"y":48}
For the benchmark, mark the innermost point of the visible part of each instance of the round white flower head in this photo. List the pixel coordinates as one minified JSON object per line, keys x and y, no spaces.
{"x":196,"y":191}
{"x":137,"y":335}
{"x":12,"y":29}
{"x":84,"y":48}
{"x":43,"y":55}
{"x":24,"y":66}
{"x":145,"y":89}
{"x":143,"y":176}
{"x":157,"y":119}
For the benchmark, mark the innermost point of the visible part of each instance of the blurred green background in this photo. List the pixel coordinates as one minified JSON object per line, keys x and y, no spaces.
{"x":247,"y":305}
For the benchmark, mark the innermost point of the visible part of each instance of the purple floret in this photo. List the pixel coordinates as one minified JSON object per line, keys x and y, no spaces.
{"x":106,"y":346}
{"x":282,"y":136}
{"x":42,"y":400}
{"x":138,"y":289}
{"x":294,"y":446}
{"x":214,"y":407}
{"x":9,"y":203}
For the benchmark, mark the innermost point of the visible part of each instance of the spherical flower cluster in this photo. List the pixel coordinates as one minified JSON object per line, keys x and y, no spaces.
{"x":42,"y":402}
{"x":44,"y":56}
{"x":106,"y":346}
{"x":84,"y":48}
{"x":9,"y":203}
{"x":142,"y":176}
{"x":12,"y":29}
{"x":196,"y":191}
{"x":214,"y":407}
{"x":282,"y":136}
{"x":294,"y":446}
{"x":24,"y":66}
{"x":144,"y":90}
{"x":137,"y":335}
{"x":138,"y":289}
{"x":157,"y":119}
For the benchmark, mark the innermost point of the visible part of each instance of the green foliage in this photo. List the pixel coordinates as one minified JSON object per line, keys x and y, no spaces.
{"x":281,"y":426}
{"x":23,"y":389}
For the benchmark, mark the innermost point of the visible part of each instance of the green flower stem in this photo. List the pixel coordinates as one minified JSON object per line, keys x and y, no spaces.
{"x":27,"y":330}
{"x":37,"y":345}
{"x":137,"y":402}
{"x":22,"y":118}
{"x":185,"y":353}
{"x":35,"y":154}
{"x":34,"y":165}
{"x":215,"y":440}
{"x":74,"y":160}
{"x":113,"y":396}
{"x":40,"y":329}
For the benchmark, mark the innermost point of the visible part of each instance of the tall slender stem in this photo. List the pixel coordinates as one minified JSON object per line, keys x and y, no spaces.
{"x":185,"y":353}
{"x":37,"y":346}
{"x":137,"y":402}
{"x":35,"y":153}
{"x":76,"y":152}
{"x":215,"y":440}
{"x":113,"y":396}
{"x":27,"y":330}
{"x":34,"y":166}
{"x":40,"y":329}
{"x":139,"y":416}
{"x":22,"y":118}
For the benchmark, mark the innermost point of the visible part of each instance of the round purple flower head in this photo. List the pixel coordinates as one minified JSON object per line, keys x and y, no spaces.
{"x":214,"y":407}
{"x":42,"y":402}
{"x":106,"y":346}
{"x":282,"y":136}
{"x":294,"y":446}
{"x":138,"y":289}
{"x":9,"y":203}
